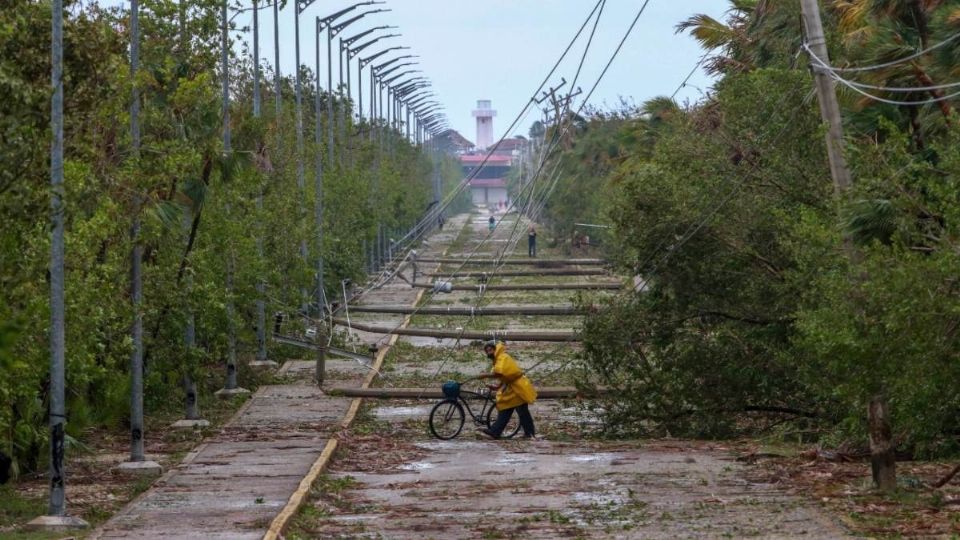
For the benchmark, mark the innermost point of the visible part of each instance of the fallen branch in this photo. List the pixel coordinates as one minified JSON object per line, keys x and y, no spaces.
{"x":530,"y":286}
{"x":946,"y":479}
{"x":777,"y":409}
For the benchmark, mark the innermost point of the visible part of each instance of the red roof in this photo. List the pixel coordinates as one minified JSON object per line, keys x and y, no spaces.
{"x":478,"y":158}
{"x":488,"y":182}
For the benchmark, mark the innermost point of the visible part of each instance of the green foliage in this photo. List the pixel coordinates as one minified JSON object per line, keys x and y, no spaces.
{"x":199,"y":208}
{"x":763,"y":291}
{"x":707,"y":336}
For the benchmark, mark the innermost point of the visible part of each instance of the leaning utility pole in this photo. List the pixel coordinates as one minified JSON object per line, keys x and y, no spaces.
{"x":826,"y":95}
{"x":882,"y":455}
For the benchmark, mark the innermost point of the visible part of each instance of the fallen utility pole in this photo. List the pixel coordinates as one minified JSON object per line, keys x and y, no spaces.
{"x":523,"y":273}
{"x":529,"y":286}
{"x":549,"y":392}
{"x":335,"y":351}
{"x":545,"y":263}
{"x":471,"y":311}
{"x":504,"y":335}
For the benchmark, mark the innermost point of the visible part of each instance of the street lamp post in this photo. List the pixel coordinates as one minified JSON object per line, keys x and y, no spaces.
{"x":56,"y":517}
{"x":353,"y":51}
{"x":399,"y":92}
{"x":332,"y":31}
{"x":373,"y":76}
{"x":346,"y":44}
{"x":301,"y":6}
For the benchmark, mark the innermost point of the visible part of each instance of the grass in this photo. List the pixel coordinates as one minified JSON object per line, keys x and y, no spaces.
{"x":18,"y":508}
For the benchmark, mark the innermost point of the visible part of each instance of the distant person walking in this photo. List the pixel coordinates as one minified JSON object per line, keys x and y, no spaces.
{"x":515,"y":392}
{"x":492,"y":223}
{"x":440,"y":221}
{"x":532,"y":241}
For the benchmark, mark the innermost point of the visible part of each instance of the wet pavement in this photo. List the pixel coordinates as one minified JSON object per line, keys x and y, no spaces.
{"x":393,"y":480}
{"x":545,"y":489}
{"x":236,"y":482}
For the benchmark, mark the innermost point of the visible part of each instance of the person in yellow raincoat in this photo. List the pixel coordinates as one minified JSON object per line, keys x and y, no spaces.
{"x":515,"y":392}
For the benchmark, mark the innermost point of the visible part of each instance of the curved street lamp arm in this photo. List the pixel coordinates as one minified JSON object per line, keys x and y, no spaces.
{"x":367,"y":60}
{"x":356,"y":37}
{"x":351,"y":52}
{"x":336,"y":29}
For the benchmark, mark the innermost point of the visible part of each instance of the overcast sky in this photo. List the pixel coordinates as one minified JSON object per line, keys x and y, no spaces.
{"x":501,"y":49}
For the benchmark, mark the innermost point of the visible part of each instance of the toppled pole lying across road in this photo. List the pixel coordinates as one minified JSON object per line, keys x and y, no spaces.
{"x":503,"y":335}
{"x":544,"y":263}
{"x":521,"y":273}
{"x":471,"y":311}
{"x":525,"y":286}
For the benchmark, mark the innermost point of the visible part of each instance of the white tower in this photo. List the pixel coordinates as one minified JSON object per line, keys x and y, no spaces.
{"x":484,"y":115}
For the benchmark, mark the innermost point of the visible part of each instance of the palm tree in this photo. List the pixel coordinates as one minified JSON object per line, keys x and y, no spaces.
{"x":883,"y":31}
{"x":756,"y":33}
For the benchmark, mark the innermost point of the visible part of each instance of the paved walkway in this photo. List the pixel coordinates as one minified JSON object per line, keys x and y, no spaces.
{"x":397,"y":482}
{"x":234,"y":484}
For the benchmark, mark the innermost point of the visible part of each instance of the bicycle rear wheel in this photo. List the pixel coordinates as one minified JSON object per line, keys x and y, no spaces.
{"x":446,"y":419}
{"x":513,"y":426}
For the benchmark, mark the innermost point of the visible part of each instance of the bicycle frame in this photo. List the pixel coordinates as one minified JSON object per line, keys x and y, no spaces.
{"x":488,"y":403}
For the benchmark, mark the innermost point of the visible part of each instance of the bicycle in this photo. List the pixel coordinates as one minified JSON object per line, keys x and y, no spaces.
{"x":448,"y":415}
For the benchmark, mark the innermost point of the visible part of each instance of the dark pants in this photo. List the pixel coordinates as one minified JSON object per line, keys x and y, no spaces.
{"x":532,"y":246}
{"x":526,"y":421}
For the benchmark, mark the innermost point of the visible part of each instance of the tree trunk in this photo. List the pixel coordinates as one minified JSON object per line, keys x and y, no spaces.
{"x":925,"y":80}
{"x":882,"y":458}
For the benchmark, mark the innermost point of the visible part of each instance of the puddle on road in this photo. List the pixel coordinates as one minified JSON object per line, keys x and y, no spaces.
{"x":592,"y":458}
{"x":600,"y":499}
{"x":511,"y":459}
{"x":384,"y":413}
{"x":453,"y":445}
{"x":417,"y":466}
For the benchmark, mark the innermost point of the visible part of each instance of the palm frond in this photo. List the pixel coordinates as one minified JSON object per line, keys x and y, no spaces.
{"x":869,"y":220}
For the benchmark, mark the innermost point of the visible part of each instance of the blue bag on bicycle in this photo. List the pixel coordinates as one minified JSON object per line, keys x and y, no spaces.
{"x":451,"y":389}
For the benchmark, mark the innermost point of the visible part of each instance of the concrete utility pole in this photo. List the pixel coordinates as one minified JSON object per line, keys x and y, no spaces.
{"x":882,"y":446}
{"x":261,"y":306}
{"x":827,"y":96}
{"x":56,"y":511}
{"x":230,"y":387}
{"x":276,"y":65}
{"x":300,"y":6}
{"x":192,"y":418}
{"x":138,"y":462}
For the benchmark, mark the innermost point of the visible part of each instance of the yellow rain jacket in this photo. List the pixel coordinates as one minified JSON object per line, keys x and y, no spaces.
{"x":516,"y":388}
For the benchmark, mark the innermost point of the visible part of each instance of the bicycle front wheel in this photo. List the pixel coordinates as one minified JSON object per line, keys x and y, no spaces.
{"x":446,"y":419}
{"x":513,"y":426}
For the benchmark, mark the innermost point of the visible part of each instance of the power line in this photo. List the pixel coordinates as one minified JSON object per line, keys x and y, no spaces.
{"x":689,"y":76}
{"x":898,"y":61}
{"x":856,"y":87}
{"x":517,"y":119}
{"x":419,"y":230}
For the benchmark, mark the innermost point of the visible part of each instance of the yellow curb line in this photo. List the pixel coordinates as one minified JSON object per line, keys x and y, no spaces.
{"x":280,"y":523}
